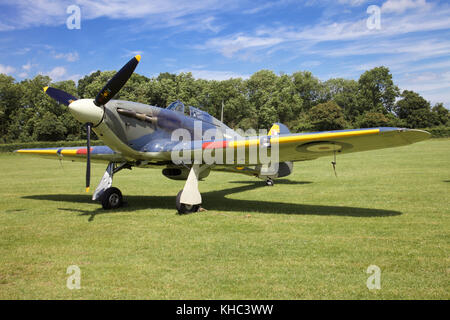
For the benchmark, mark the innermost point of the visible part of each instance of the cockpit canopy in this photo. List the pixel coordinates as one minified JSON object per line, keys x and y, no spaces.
{"x":201,"y":115}
{"x":193,"y":112}
{"x":176,"y":106}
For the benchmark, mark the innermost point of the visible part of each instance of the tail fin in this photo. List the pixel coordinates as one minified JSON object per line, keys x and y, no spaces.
{"x":278,"y":128}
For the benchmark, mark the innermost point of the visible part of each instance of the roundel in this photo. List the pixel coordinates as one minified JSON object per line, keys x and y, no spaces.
{"x":323,"y":147}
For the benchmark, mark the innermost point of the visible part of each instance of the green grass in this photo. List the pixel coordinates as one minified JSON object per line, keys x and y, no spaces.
{"x":311,"y":236}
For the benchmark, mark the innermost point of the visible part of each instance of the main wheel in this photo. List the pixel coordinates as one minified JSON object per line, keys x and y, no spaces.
{"x":185,"y":208}
{"x":112,"y":198}
{"x":269,"y":182}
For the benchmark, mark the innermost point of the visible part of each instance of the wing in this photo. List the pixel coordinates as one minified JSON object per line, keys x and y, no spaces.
{"x":297,"y":147}
{"x":98,"y":153}
{"x":292,"y":147}
{"x":308,"y":146}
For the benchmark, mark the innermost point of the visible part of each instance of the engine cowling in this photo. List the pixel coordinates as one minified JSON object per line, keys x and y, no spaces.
{"x":181,"y":173}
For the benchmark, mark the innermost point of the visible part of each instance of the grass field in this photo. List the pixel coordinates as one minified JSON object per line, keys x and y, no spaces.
{"x":311,"y":236}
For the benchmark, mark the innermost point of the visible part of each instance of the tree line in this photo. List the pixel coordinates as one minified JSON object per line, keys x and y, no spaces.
{"x":299,"y":100}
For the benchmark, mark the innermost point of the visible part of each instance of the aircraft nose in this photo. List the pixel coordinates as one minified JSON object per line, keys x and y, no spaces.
{"x":84,"y":110}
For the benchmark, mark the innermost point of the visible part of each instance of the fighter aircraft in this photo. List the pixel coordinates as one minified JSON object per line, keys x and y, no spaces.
{"x":186,"y":143}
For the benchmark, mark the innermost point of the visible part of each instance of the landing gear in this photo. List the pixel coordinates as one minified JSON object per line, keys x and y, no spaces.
{"x":111,"y":198}
{"x":189,"y":199}
{"x":185,"y":208}
{"x":269,"y":182}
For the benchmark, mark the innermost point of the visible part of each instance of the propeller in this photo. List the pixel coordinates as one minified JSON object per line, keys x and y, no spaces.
{"x":88,"y":155}
{"x":117,"y":82}
{"x":84,"y":110}
{"x":60,"y":96}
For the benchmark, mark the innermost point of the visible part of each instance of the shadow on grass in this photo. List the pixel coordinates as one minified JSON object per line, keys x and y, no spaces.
{"x":217,"y":200}
{"x":259,"y":183}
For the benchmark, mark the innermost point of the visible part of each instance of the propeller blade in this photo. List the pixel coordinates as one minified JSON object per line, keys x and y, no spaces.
{"x":60,"y":96}
{"x":88,"y":156}
{"x":117,"y":82}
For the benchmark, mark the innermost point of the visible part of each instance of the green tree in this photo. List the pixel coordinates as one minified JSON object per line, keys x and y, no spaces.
{"x":286,"y":103}
{"x":372,"y":119}
{"x":414,"y":110}
{"x":238,"y":112}
{"x":85,"y":82}
{"x":33,"y":104}
{"x":377,"y":91}
{"x":309,"y":88}
{"x":441,"y":114}
{"x":327,"y":116}
{"x":49,"y":127}
{"x":260,"y":88}
{"x":345,"y":93}
{"x":10,"y":95}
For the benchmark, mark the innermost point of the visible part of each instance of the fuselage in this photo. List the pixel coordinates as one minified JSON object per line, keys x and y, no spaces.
{"x":141,"y":132}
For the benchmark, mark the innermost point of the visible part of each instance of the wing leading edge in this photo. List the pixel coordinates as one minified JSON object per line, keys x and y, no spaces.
{"x":98,"y":153}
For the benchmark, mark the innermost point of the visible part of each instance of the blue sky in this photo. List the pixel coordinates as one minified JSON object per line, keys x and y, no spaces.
{"x":216,"y":39}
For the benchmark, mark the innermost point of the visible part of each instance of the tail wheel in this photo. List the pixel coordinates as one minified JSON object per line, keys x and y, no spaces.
{"x":185,"y":208}
{"x":112,"y":198}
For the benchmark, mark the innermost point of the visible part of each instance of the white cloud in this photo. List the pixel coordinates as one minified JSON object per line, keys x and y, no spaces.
{"x":426,"y":81}
{"x":257,"y":9}
{"x":230,"y":45}
{"x":32,"y":13}
{"x":60,"y":74}
{"x":327,"y":3}
{"x":400,"y":6}
{"x":413,"y":47}
{"x":130,"y":53}
{"x":7,"y":69}
{"x":69,"y":57}
{"x":27,"y":66}
{"x":29,"y":13}
{"x":213,"y":74}
{"x":22,"y":51}
{"x":353,"y":2}
{"x":268,"y":5}
{"x":57,"y":73}
{"x":310,"y":63}
{"x":350,"y":30}
{"x":433,"y":86}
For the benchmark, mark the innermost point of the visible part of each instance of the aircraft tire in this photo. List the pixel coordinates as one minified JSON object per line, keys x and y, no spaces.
{"x":112,"y":198}
{"x":185,"y":208}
